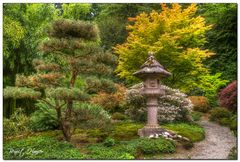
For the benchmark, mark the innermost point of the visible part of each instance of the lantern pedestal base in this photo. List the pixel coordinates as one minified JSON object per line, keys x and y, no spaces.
{"x":150,"y":130}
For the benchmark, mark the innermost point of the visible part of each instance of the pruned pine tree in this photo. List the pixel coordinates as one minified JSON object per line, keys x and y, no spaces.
{"x":70,"y":50}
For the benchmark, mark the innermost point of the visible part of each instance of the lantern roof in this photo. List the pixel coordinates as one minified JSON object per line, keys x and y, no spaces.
{"x":151,"y":67}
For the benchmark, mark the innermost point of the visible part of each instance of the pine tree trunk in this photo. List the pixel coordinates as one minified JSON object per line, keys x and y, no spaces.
{"x":66,"y":125}
{"x":66,"y":122}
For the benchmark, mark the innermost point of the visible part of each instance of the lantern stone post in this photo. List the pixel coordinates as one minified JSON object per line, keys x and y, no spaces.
{"x":151,"y":72}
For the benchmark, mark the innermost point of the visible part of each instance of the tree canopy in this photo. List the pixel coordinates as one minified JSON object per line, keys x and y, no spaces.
{"x":176,"y":36}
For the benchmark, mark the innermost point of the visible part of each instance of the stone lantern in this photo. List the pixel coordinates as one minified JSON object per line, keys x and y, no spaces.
{"x":151,"y":72}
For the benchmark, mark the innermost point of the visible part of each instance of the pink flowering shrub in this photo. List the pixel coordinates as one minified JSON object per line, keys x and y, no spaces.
{"x":228,"y":96}
{"x":173,"y":105}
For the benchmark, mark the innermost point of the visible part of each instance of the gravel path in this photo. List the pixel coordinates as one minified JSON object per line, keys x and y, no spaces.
{"x":216,"y":145}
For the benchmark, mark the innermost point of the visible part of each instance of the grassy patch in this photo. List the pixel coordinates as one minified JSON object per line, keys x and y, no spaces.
{"x":192,"y":131}
{"x":40,"y":147}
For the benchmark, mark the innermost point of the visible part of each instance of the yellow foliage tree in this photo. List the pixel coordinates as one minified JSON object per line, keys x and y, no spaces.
{"x":176,"y":36}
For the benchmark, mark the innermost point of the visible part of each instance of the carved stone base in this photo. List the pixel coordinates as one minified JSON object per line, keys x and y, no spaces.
{"x":150,"y":130}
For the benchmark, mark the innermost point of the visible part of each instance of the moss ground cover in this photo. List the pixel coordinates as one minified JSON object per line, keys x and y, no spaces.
{"x":192,"y":131}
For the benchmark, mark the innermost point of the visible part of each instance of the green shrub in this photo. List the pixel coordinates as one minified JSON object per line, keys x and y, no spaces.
{"x":154,"y":146}
{"x":192,"y":131}
{"x":17,"y":124}
{"x":196,"y":116}
{"x":118,"y":116}
{"x":45,"y":118}
{"x":40,"y":147}
{"x":218,"y":113}
{"x":109,"y":142}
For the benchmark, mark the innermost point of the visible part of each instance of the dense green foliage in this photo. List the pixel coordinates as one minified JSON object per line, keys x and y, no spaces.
{"x":191,"y":131}
{"x":222,"y":39}
{"x":77,"y":11}
{"x":112,"y":20}
{"x":40,"y":148}
{"x":23,"y":30}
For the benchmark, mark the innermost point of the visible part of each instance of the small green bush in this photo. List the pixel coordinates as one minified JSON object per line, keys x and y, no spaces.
{"x":40,"y":147}
{"x":17,"y":124}
{"x":196,"y":116}
{"x":192,"y":131}
{"x":154,"y":146}
{"x":218,"y":113}
{"x":118,"y":116}
{"x":109,"y":142}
